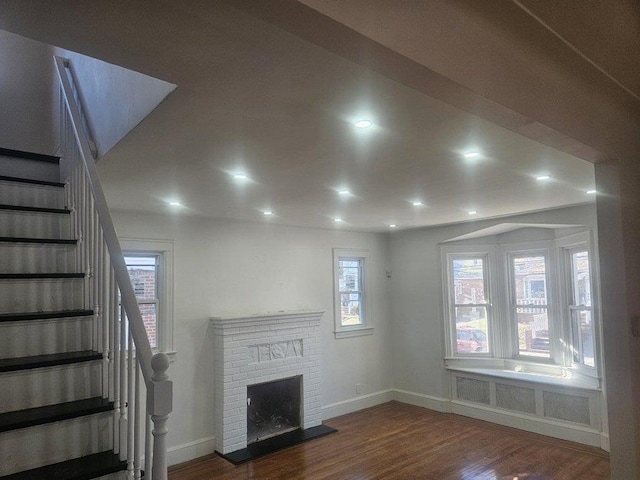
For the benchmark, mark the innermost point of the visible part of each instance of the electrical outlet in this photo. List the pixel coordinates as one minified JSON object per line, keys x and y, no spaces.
{"x":358,"y":390}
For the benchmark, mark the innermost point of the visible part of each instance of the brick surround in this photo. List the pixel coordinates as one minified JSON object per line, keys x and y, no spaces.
{"x":261,"y":348}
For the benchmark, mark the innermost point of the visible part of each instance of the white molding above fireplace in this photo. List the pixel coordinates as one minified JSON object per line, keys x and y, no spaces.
{"x":257,"y":348}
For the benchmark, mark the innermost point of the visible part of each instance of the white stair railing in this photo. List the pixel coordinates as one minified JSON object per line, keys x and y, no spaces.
{"x":119,"y":331}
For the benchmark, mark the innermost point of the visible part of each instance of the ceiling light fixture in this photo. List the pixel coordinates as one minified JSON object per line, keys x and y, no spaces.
{"x":267,"y":212}
{"x":473,"y":212}
{"x":174,"y":203}
{"x":417,"y":204}
{"x":337,"y":220}
{"x":471,"y":155}
{"x":240,"y":176}
{"x":591,"y":192}
{"x":344,"y":192}
{"x":393,"y":225}
{"x":543,"y":177}
{"x":363,"y":123}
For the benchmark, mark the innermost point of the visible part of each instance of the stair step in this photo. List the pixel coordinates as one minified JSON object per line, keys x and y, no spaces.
{"x":22,"y":208}
{"x":61,"y":241}
{"x":38,"y":276}
{"x":40,"y":361}
{"x":53,"y":413}
{"x":83,"y":468}
{"x":20,"y":317}
{"x":31,"y":181}
{"x":7,"y":152}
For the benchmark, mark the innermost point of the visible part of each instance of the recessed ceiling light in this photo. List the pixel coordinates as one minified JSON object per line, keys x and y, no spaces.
{"x":417,"y":204}
{"x":174,"y":203}
{"x":591,"y":192}
{"x":473,"y":212}
{"x":344,"y":192}
{"x":267,"y":212}
{"x":240,"y":176}
{"x":364,"y":123}
{"x":543,"y":177}
{"x":393,"y":225}
{"x":471,"y":154}
{"x":337,"y":220}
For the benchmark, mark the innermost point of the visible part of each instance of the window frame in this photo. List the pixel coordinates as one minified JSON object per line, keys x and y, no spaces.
{"x":501,"y":324}
{"x":366,"y":327}
{"x":163,"y":251}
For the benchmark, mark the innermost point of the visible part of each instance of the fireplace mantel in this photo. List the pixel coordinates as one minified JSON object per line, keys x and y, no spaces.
{"x":261,"y":347}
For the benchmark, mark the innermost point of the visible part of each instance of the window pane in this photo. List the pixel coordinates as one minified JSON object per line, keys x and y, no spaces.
{"x":471,"y":330}
{"x":143,"y":272}
{"x":350,"y":309}
{"x":529,"y":275}
{"x":533,"y":331}
{"x":150,"y":319}
{"x":349,"y":275}
{"x":581,"y":278}
{"x":583,"y":344}
{"x":468,"y":281}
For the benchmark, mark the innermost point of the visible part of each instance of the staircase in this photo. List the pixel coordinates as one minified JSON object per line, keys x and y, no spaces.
{"x":56,"y":418}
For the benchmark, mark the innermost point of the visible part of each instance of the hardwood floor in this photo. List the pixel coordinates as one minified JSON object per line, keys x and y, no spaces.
{"x":399,"y":441}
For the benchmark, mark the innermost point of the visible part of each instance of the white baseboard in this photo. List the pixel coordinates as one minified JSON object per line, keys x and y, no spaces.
{"x":188,"y":451}
{"x":421,"y":400}
{"x":354,"y":404}
{"x":604,"y":442}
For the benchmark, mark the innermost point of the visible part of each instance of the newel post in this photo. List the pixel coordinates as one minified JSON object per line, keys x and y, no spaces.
{"x":160,"y":404}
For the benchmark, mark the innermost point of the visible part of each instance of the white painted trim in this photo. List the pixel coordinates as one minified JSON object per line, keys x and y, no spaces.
{"x":604,"y":441}
{"x":358,"y":403}
{"x":543,"y":426}
{"x":421,"y":400}
{"x":190,"y":450}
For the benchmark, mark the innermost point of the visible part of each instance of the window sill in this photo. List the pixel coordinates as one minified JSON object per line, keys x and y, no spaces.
{"x":541,"y":374}
{"x":353,"y":332}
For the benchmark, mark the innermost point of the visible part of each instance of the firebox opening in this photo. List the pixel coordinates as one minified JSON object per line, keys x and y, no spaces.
{"x":273,"y":408}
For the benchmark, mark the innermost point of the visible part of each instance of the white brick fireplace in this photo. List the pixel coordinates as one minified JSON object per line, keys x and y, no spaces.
{"x":260,"y":348}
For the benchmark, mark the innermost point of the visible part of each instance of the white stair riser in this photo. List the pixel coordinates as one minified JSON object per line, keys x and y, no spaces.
{"x":42,"y":337}
{"x":37,"y":258}
{"x":18,"y":296}
{"x":55,"y":442}
{"x":23,"y":168}
{"x":48,"y":386}
{"x":33,"y":224}
{"x":30,"y":195}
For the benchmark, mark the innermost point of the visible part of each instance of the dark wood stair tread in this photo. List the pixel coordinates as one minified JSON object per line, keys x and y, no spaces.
{"x":4,"y":178}
{"x":24,"y":208}
{"x":8,"y":152}
{"x":20,"y":317}
{"x":38,"y":276}
{"x":53,"y":413}
{"x":50,"y":360}
{"x":61,"y":241}
{"x":83,"y":468}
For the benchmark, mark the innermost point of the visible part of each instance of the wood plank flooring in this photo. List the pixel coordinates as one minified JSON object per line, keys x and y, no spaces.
{"x":399,"y":441}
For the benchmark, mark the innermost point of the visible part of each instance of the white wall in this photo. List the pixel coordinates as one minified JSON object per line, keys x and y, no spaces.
{"x":416,"y":293}
{"x":26,"y":79}
{"x":225,"y":267}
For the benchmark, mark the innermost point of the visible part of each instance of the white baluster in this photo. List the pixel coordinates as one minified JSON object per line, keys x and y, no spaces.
{"x":160,"y":402}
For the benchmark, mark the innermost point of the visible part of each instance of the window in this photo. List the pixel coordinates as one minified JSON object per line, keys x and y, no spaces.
{"x":580,"y":308}
{"x":522,"y":305}
{"x":529,"y":305}
{"x":150,"y":267}
{"x":143,"y":270}
{"x":352,"y":316}
{"x":470,"y":304}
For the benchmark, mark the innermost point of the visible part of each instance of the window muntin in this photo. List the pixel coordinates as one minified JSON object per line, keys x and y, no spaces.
{"x":351,"y":290}
{"x":470,"y":307}
{"x":143,"y":271}
{"x":530,"y":306}
{"x":580,"y":308}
